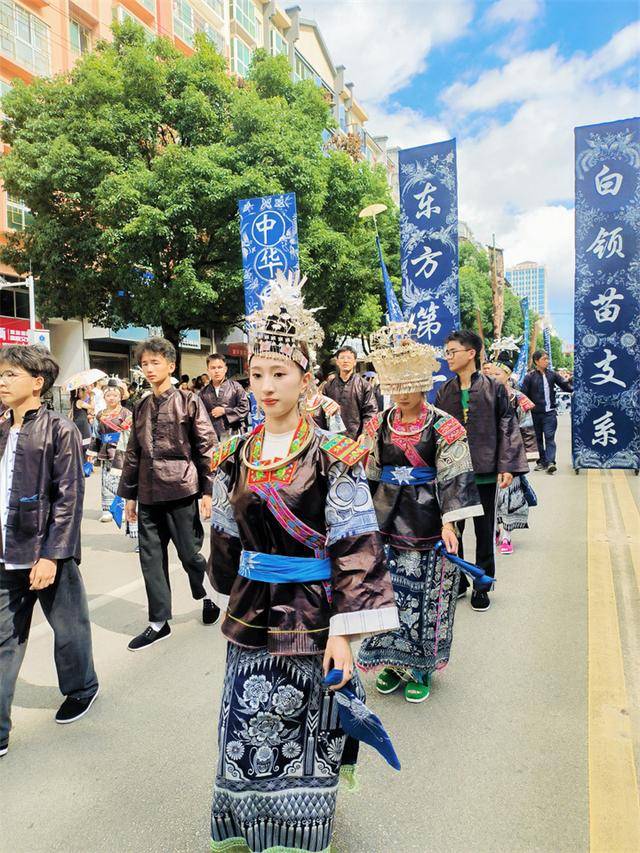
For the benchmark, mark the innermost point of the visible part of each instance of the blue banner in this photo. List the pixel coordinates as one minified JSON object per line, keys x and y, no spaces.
{"x":429,"y":242}
{"x":269,"y":238}
{"x":394,"y":312}
{"x":522,"y":363}
{"x":546,"y":339}
{"x":606,"y":400}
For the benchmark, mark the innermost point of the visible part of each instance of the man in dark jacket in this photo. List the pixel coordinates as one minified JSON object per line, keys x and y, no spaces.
{"x":41,"y":492}
{"x":167,"y":467}
{"x":353,"y":393}
{"x":226,"y":401}
{"x":495,"y":442}
{"x":539,"y":386}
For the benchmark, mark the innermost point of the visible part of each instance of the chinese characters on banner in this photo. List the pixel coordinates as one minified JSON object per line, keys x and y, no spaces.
{"x":606,"y":399}
{"x":429,"y":243}
{"x":269,"y":239}
{"x":546,"y":338}
{"x":522,"y":363}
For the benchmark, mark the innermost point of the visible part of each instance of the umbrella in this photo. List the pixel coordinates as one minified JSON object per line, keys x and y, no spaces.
{"x":85,"y":377}
{"x":360,"y":722}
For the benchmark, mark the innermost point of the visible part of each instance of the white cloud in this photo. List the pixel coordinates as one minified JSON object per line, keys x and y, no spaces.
{"x":406,"y":124}
{"x":385,"y":43}
{"x":540,"y":74}
{"x":505,"y":11}
{"x":545,"y":234}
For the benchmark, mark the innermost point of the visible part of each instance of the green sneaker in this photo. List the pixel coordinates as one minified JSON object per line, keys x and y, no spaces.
{"x":415,"y":692}
{"x":388,"y":681}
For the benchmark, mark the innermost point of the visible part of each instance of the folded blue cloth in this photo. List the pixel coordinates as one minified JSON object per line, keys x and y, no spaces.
{"x":401,"y":475}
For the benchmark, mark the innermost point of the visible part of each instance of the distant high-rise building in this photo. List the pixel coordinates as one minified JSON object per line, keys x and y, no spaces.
{"x":530,"y":279}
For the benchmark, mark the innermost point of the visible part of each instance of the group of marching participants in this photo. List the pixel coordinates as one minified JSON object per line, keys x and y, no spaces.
{"x":317,"y":538}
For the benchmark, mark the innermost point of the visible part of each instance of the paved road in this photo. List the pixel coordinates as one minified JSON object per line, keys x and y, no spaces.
{"x":497,"y":760}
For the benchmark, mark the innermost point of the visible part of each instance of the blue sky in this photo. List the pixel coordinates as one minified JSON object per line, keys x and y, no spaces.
{"x":510,"y":79}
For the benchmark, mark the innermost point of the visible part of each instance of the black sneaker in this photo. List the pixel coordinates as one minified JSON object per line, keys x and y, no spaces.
{"x":149,"y":637}
{"x":552,"y":468}
{"x":4,"y":749}
{"x":72,"y":709}
{"x":540,"y":466}
{"x":480,"y":600}
{"x":210,"y":612}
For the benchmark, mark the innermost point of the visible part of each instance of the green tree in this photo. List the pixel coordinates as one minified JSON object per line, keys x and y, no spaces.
{"x":133,"y":164}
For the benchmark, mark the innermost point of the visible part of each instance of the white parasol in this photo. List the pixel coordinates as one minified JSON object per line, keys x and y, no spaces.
{"x":84,"y":377}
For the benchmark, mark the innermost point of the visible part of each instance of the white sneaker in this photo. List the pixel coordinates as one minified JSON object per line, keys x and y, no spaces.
{"x":105,"y":517}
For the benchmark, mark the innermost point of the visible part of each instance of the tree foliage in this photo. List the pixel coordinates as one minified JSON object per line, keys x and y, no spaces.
{"x":476,"y":296}
{"x":133,"y":164}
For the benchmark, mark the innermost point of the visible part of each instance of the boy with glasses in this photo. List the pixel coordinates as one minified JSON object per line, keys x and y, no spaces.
{"x":41,"y":493}
{"x":495,"y":443}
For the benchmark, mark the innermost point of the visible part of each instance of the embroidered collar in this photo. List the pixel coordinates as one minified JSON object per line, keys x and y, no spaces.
{"x":278,"y":470}
{"x":398,"y":427}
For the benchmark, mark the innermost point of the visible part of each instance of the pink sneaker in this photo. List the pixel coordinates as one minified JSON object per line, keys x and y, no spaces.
{"x":506,"y":547}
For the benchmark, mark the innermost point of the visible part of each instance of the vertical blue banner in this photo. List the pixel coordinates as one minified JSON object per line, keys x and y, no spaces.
{"x":606,"y":399}
{"x":269,"y":238}
{"x":546,"y":339}
{"x":429,"y":242}
{"x":522,"y":363}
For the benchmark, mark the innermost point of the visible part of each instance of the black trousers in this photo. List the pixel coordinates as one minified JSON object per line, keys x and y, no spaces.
{"x":485,"y":530}
{"x":65,"y":607}
{"x":158,"y":524}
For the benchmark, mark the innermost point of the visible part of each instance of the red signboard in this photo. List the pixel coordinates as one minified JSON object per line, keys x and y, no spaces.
{"x":15,"y":330}
{"x":237,"y":350}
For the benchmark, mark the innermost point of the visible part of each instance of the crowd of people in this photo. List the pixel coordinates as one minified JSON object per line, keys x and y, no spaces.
{"x":336,"y":511}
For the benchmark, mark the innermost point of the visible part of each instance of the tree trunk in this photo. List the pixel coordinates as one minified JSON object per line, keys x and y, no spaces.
{"x":172,"y":334}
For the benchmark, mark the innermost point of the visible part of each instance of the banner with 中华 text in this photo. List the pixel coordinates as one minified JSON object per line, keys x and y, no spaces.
{"x":606,"y":399}
{"x":269,"y":239}
{"x":429,"y":242}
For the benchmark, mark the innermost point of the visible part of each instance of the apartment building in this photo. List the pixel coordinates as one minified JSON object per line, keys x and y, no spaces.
{"x":38,"y":37}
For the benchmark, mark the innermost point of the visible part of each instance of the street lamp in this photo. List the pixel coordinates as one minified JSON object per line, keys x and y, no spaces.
{"x":371,"y":212}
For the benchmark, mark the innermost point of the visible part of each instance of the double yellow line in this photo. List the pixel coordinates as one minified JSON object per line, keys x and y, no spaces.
{"x":614,"y":806}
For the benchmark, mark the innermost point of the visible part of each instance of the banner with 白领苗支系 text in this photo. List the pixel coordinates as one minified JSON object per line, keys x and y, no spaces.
{"x":606,"y":399}
{"x":269,"y":240}
{"x":429,"y":243}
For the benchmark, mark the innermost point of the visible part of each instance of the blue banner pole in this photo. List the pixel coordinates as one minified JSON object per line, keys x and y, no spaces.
{"x":429,"y":243}
{"x":606,"y":400}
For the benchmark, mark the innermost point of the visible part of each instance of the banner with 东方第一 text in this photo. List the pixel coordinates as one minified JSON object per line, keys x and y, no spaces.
{"x":429,"y":243}
{"x":269,"y":240}
{"x":606,"y":398}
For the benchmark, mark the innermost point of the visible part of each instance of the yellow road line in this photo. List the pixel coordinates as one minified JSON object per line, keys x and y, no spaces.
{"x":630,"y":517}
{"x":614,"y":807}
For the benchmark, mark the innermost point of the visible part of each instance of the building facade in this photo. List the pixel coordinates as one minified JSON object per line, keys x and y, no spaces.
{"x":530,"y":279}
{"x":39,"y":38}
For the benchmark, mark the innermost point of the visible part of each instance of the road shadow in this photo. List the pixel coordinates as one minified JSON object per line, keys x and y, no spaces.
{"x":36,"y":696}
{"x":121,"y":616}
{"x":109,"y":542}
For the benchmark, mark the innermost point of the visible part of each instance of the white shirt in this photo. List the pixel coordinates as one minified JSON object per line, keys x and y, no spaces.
{"x":6,"y":480}
{"x":276,"y":446}
{"x":99,"y":404}
{"x":547,"y":396}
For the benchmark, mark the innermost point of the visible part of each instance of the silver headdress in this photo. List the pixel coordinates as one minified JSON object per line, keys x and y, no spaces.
{"x":504,"y":353}
{"x":283,"y":328}
{"x":402,"y":364}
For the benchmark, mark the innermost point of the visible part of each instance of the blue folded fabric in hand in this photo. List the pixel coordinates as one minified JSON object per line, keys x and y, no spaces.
{"x":474,"y":572}
{"x":117,"y":510}
{"x":360,"y":722}
{"x":87,"y":469}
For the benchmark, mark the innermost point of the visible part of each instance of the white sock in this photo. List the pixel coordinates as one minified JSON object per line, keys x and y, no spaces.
{"x":506,"y":537}
{"x":157,"y":626}
{"x":208,"y":588}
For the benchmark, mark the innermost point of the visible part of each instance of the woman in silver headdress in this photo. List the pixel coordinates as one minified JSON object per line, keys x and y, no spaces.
{"x":298,"y":564}
{"x":422,"y":484}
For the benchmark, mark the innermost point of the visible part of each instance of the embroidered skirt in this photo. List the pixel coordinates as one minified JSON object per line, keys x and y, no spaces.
{"x":513,"y":509}
{"x":426,"y":588}
{"x":280,"y":750}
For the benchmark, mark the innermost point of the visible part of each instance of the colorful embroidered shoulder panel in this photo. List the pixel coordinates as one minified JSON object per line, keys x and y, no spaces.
{"x":525,"y":403}
{"x":343,"y":448}
{"x":224,"y":451}
{"x":371,"y":427}
{"x":450,"y":429}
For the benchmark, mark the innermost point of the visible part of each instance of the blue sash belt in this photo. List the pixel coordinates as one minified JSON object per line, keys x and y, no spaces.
{"x":274,"y":568}
{"x":405,"y":475}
